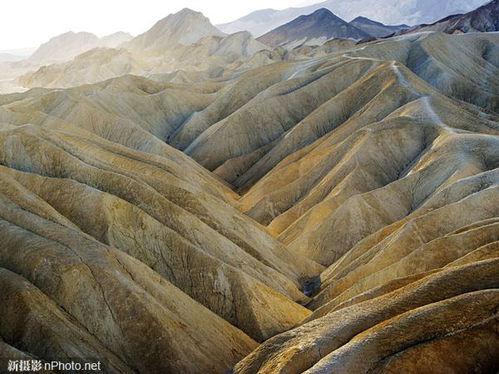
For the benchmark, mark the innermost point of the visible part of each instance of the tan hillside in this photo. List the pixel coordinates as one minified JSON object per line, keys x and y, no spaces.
{"x":94,"y":66}
{"x":185,"y":214}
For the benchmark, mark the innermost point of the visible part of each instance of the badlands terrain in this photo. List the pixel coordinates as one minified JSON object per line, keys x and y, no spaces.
{"x":319,"y":209}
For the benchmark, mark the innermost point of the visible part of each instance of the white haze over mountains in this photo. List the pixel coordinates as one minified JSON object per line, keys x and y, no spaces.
{"x":389,"y":12}
{"x":29,"y":23}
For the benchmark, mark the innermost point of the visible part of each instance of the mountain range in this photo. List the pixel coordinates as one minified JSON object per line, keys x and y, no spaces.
{"x":483,"y":19}
{"x":321,"y":26}
{"x":69,"y":45}
{"x":185,"y":46}
{"x":316,"y":28}
{"x":182,"y":41}
{"x":389,"y":12}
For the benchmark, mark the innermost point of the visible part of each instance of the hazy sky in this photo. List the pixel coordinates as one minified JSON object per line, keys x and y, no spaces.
{"x":27,"y":23}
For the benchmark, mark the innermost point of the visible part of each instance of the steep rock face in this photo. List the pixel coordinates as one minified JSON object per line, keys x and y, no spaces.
{"x":233,"y":97}
{"x":114,"y":293}
{"x":315,"y":28}
{"x":378,"y":196}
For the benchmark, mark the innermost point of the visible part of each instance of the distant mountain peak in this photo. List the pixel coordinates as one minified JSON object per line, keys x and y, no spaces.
{"x":186,"y":14}
{"x":115,"y":40}
{"x":375,"y":28}
{"x":187,"y":11}
{"x":322,"y":12}
{"x":64,"y":47}
{"x":185,"y":27}
{"x":322,"y":15}
{"x":118,"y":33}
{"x":389,"y":12}
{"x":71,"y":34}
{"x":362,"y":18}
{"x":365,"y":20}
{"x":314,"y":28}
